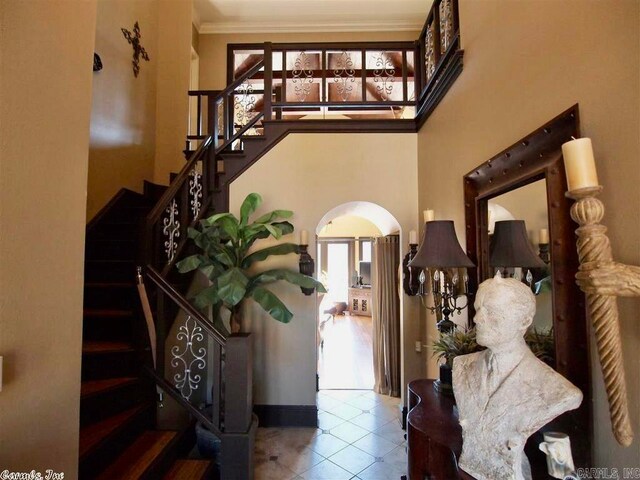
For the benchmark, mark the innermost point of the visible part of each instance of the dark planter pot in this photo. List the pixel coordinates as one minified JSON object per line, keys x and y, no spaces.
{"x":209,"y":444}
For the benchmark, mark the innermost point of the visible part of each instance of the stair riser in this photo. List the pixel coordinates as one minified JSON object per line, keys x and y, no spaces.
{"x":96,"y":461}
{"x":111,"y":250}
{"x":100,"y":406}
{"x":115,"y":231}
{"x":112,"y":298}
{"x":108,"y":328}
{"x":110,"y":365}
{"x":110,"y":272}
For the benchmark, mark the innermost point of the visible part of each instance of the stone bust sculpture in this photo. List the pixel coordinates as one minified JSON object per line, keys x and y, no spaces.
{"x":504,"y":393}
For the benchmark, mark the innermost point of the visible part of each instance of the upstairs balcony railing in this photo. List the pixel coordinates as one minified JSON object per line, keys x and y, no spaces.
{"x":348,"y":80}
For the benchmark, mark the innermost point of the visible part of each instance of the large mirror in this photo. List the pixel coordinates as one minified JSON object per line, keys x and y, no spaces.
{"x":527,"y":180}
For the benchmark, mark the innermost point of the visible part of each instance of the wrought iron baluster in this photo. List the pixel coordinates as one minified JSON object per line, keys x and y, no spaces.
{"x":189,"y":358}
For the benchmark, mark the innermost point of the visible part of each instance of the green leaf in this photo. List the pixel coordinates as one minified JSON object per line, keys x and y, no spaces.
{"x":292,"y":277}
{"x":212,"y":220}
{"x":232,"y":286}
{"x":189,"y":264}
{"x":285,"y":227}
{"x":273,"y":231}
{"x":272,"y":304}
{"x":281,"y":249}
{"x":206,"y":297}
{"x":271,"y":216}
{"x":230,"y":227}
{"x":250,"y":204}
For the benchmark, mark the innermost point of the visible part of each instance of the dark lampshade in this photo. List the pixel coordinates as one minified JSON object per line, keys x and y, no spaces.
{"x":440,"y":247}
{"x":510,"y":246}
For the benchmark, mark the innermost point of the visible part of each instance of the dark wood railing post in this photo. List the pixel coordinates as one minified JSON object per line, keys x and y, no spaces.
{"x":268,"y":80}
{"x":216,"y":384}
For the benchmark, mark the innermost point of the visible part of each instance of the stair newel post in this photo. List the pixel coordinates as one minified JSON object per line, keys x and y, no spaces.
{"x":268,"y":80}
{"x":216,"y":384}
{"x":212,"y":119}
{"x":228,"y":115}
{"x":161,"y":332}
{"x":239,"y":427}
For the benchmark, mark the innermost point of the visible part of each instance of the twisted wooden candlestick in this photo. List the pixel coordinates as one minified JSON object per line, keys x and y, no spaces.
{"x":594,"y":249}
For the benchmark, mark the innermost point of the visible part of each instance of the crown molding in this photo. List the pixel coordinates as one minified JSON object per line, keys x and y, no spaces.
{"x":279,"y":27}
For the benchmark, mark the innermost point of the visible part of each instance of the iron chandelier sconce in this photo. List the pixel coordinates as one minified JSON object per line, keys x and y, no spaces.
{"x":411,"y":275}
{"x":441,"y":254}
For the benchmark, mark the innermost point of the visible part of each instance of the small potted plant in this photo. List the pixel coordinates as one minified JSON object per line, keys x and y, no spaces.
{"x":449,"y":345}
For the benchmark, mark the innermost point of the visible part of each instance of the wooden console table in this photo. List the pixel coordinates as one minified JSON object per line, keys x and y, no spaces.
{"x":434,"y":437}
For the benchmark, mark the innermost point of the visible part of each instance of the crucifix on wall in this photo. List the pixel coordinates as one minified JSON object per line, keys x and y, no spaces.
{"x":138,"y":49}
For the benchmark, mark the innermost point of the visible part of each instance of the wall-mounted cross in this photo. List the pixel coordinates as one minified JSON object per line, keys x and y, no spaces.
{"x":138,"y":50}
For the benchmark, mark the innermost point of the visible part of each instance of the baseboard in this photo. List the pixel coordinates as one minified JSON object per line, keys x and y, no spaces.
{"x":287,"y":415}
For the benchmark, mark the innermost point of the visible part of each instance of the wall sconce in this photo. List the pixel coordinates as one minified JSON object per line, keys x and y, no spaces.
{"x":511,"y":248}
{"x":306,"y":263}
{"x":411,"y":275}
{"x":543,"y":246}
{"x":600,"y":278}
{"x":441,"y":254}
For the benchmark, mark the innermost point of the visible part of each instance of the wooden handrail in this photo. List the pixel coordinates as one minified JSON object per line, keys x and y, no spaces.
{"x":240,"y":132}
{"x":179,"y":300}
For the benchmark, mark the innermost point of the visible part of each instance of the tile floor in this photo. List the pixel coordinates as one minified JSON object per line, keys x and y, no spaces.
{"x":359,"y":437}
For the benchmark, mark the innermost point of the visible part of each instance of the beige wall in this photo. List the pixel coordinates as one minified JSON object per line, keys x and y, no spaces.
{"x":123,"y":118}
{"x":138,"y":125}
{"x":298,"y":174}
{"x":46,"y":50}
{"x":525,"y":62}
{"x":350,"y":226}
{"x":213,"y":48}
{"x":172,"y":105}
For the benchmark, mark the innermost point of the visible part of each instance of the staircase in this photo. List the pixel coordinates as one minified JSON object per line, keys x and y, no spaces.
{"x":118,"y":438}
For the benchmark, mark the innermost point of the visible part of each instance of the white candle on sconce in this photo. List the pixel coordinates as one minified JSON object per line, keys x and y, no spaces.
{"x":304,"y":237}
{"x":413,"y":237}
{"x":579,"y":164}
{"x":428,"y":216}
{"x":543,"y":236}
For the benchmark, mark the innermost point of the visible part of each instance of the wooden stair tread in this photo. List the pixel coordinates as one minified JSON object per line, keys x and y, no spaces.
{"x":187,"y":470}
{"x":106,"y":347}
{"x":135,"y":460}
{"x":93,"y":434}
{"x":92,"y":387}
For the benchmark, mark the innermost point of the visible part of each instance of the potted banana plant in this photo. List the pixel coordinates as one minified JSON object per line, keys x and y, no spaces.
{"x":227,"y":258}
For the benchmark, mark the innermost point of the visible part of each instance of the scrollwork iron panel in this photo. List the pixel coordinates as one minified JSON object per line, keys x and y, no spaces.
{"x":302,"y":76}
{"x":171,"y":230}
{"x":429,"y":53}
{"x":188,"y":357}
{"x":446,"y":24}
{"x":344,"y":75}
{"x":195,"y":192}
{"x":384,"y":75}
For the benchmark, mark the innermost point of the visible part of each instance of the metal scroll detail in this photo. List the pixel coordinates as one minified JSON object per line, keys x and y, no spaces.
{"x":383,"y":75}
{"x":344,"y":76}
{"x":429,"y":53}
{"x":244,"y":104}
{"x":446,"y":24}
{"x":171,"y":230}
{"x":195,"y":192}
{"x":302,"y":77}
{"x":188,"y":358}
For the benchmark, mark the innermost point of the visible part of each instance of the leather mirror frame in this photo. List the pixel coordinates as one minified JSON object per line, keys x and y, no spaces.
{"x":535,"y":157}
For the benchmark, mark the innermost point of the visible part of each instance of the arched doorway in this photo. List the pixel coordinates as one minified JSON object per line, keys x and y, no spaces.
{"x":349,"y":328}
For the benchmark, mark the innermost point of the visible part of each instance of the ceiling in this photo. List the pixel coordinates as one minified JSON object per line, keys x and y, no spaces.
{"x":262,"y":16}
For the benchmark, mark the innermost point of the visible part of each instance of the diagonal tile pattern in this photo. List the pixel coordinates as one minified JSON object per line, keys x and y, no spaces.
{"x":359,"y":437}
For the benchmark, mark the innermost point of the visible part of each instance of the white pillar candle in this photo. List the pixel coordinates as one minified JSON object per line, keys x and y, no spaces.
{"x":544,"y":236}
{"x":304,"y":237}
{"x":428,"y":215}
{"x":413,"y":237}
{"x":579,"y":164}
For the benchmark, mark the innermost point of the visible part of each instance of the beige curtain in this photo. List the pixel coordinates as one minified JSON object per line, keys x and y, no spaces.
{"x":386,"y":315}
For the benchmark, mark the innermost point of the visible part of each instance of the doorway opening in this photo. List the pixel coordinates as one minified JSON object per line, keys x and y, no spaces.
{"x":346,"y":314}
